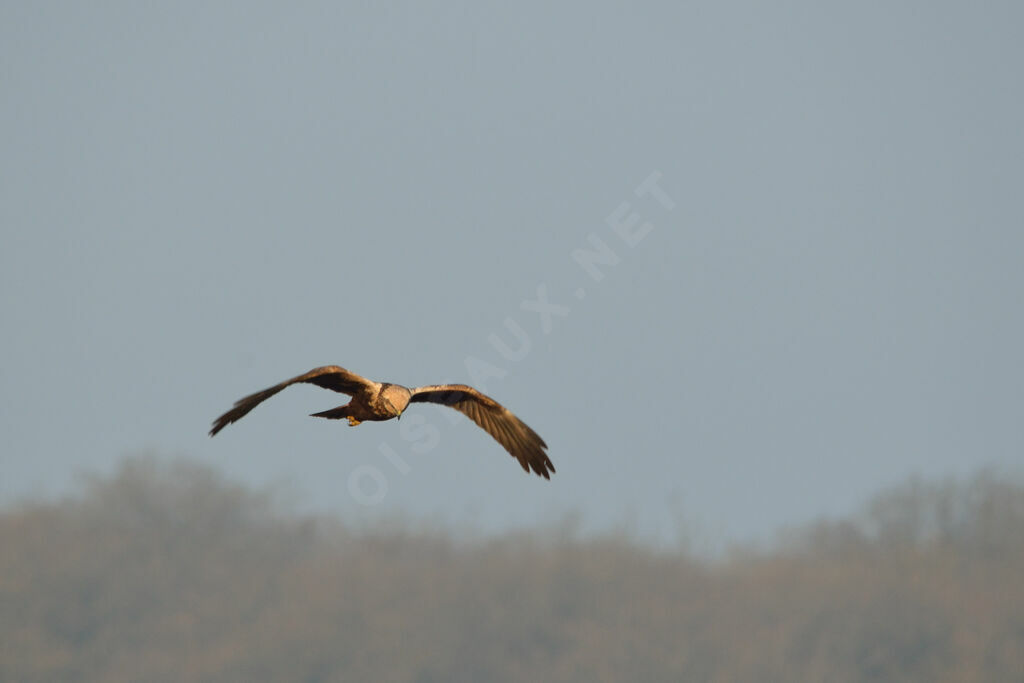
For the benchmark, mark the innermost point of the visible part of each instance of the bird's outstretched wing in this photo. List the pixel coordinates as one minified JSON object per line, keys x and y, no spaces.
{"x":518,"y":439}
{"x":329,"y":377}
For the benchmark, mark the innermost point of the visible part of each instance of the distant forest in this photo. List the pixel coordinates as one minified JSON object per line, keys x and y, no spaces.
{"x":167,"y":572}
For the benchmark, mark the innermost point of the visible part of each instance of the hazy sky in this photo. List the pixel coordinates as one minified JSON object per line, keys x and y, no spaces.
{"x":821,"y":298}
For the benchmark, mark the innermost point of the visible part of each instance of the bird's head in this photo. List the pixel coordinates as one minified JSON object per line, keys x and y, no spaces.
{"x":396,"y":399}
{"x":392,"y":408}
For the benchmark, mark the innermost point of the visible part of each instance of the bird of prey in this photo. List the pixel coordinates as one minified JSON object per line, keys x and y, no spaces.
{"x":382,"y":401}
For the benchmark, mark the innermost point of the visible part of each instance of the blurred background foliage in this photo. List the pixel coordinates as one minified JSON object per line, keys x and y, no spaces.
{"x":165,"y":571}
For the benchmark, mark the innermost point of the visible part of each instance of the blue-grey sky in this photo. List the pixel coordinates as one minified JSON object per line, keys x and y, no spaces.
{"x":822,"y":297}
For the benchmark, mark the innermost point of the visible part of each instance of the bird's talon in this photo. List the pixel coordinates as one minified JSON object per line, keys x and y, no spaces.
{"x":352,"y":422}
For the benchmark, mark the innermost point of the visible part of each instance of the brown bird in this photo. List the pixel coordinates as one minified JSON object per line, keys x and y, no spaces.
{"x":382,"y":401}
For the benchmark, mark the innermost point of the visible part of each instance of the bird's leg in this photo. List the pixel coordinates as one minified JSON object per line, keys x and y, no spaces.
{"x":352,"y":422}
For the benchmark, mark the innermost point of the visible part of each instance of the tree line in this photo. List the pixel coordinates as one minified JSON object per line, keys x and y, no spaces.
{"x":165,"y":571}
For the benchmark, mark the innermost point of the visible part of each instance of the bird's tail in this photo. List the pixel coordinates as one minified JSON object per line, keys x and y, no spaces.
{"x":335,"y":413}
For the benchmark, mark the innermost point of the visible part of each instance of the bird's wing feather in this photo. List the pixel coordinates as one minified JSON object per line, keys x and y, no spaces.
{"x":328,"y":377}
{"x":518,"y":439}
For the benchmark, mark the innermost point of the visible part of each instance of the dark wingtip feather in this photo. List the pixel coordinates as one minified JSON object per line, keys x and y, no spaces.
{"x":542,"y":465}
{"x":217,"y":426}
{"x":223,"y":421}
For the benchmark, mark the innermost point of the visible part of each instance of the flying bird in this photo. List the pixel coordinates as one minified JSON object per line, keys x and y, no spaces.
{"x":379,"y":401}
